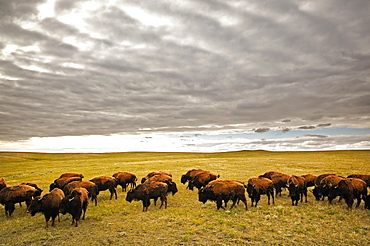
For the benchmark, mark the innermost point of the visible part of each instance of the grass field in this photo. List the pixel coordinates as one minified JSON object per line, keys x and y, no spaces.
{"x":186,"y":221}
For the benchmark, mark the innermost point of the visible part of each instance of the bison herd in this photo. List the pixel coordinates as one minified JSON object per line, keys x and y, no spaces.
{"x":70,"y":194}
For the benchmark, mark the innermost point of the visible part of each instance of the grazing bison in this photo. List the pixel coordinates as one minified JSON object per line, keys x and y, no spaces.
{"x":202,"y":179}
{"x":327,"y":184}
{"x":223,"y":190}
{"x":146,"y":191}
{"x":164,"y":178}
{"x":297,"y":189}
{"x":91,"y":187}
{"x":151,"y":174}
{"x":16,"y":194}
{"x":106,"y":183}
{"x":75,"y":204}
{"x":63,"y":181}
{"x":364,"y":177}
{"x":125,"y":178}
{"x":48,"y":204}
{"x":350,"y":189}
{"x":318,"y":190}
{"x":260,"y":186}
{"x":2,"y":183}
{"x":269,"y":174}
{"x":309,"y":179}
{"x":279,"y":181}
{"x":189,"y":175}
{"x":64,"y":175}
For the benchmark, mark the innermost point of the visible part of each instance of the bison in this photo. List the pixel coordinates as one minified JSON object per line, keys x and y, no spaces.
{"x":146,"y":191}
{"x":223,"y":190}
{"x":202,"y":179}
{"x":279,"y":181}
{"x":260,"y":186}
{"x":75,"y":204}
{"x":63,"y":181}
{"x":91,"y":187}
{"x":106,"y":183}
{"x":48,"y":204}
{"x":309,"y":179}
{"x":164,"y":178}
{"x":364,"y":177}
{"x":350,"y":189}
{"x":189,"y":175}
{"x":125,"y":178}
{"x":269,"y":174}
{"x":64,"y":175}
{"x":16,"y":194}
{"x":318,"y":190}
{"x":327,"y":185}
{"x":297,"y":189}
{"x":151,"y":174}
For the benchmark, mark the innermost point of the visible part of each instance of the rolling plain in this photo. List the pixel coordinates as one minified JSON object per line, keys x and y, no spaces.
{"x":187,"y":221}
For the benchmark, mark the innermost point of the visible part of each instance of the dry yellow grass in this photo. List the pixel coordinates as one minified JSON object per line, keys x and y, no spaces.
{"x":186,"y":221}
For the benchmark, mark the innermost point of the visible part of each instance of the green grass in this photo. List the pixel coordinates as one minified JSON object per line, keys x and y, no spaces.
{"x":187,"y":221}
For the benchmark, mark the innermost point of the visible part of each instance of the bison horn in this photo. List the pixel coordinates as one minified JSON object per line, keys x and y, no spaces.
{"x":71,"y":199}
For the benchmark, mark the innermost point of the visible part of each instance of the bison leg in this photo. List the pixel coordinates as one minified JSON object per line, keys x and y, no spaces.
{"x":163,"y":200}
{"x":219,"y":203}
{"x":146,"y":203}
{"x":268,"y":198}
{"x":112,"y":191}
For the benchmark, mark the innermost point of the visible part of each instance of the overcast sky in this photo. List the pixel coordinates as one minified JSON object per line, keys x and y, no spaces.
{"x":184,"y":75}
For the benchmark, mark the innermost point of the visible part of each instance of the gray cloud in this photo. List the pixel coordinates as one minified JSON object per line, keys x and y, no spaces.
{"x":210,"y":63}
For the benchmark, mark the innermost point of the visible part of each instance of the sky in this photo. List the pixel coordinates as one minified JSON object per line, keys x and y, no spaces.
{"x":197,"y":76}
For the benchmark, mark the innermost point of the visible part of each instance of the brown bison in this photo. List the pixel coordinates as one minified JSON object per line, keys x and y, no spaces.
{"x":48,"y":204}
{"x":318,"y":191}
{"x":327,"y":184}
{"x":164,"y":178}
{"x":350,"y":189}
{"x":189,"y":175}
{"x":364,"y":177}
{"x":146,"y":191}
{"x":151,"y":174}
{"x":75,"y":204}
{"x":279,"y":181}
{"x":125,"y":178}
{"x":11,"y":195}
{"x":64,"y":175}
{"x":91,"y":187}
{"x":63,"y":181}
{"x":309,"y":179}
{"x":106,"y":183}
{"x":223,"y":191}
{"x":297,"y":189}
{"x":202,"y":179}
{"x":269,"y":174}
{"x":260,"y":186}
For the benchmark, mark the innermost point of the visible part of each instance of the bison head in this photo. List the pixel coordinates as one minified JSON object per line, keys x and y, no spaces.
{"x":130,"y":195}
{"x":172,"y":187}
{"x":35,"y":206}
{"x":184,"y":179}
{"x":202,"y":196}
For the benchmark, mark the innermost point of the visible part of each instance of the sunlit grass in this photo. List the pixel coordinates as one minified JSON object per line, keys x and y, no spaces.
{"x":187,"y":221}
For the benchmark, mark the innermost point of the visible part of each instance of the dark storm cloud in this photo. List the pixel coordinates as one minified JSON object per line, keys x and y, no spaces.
{"x":174,"y":65}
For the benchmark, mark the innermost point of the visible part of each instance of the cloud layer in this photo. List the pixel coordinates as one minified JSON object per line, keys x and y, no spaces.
{"x":79,"y":68}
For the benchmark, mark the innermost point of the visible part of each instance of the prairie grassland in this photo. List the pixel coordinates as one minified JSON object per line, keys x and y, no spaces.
{"x":186,"y":221}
